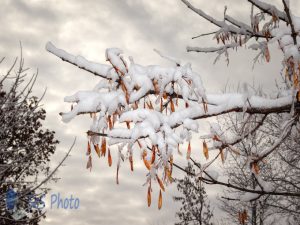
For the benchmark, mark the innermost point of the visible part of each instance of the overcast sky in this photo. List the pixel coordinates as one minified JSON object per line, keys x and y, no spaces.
{"x":87,"y":28}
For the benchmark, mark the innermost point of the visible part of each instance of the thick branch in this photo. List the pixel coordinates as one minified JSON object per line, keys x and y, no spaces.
{"x":97,"y":69}
{"x":269,"y":9}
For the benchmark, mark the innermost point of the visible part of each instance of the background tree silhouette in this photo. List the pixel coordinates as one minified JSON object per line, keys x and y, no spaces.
{"x":195,"y":207}
{"x":25,"y":145}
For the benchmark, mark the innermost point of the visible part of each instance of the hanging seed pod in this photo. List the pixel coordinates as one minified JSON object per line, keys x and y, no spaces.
{"x":88,"y":151}
{"x":160,"y":200}
{"x":117,"y":176}
{"x":205,"y":150}
{"x":147,"y":164}
{"x":127,"y":124}
{"x":156,"y":87}
{"x":103,"y":147}
{"x":153,"y":154}
{"x":255,"y":168}
{"x":188,"y":153}
{"x":205,"y":108}
{"x":222,"y":155}
{"x":131,"y":162}
{"x":97,"y":150}
{"x":110,"y":123}
{"x":109,"y":159}
{"x":267,"y":54}
{"x":168,"y":175}
{"x":172,"y":105}
{"x":298,"y":96}
{"x":160,"y":183}
{"x":89,"y":163}
{"x":149,"y":196}
{"x":114,"y":119}
{"x":165,"y":96}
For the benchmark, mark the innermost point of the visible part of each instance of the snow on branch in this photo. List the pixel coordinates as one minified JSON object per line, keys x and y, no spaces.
{"x":97,"y":69}
{"x":270,"y":9}
{"x":155,"y":109}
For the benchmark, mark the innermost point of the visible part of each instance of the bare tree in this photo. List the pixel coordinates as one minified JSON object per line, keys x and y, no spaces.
{"x":25,"y":146}
{"x":195,"y":207}
{"x":281,"y":171}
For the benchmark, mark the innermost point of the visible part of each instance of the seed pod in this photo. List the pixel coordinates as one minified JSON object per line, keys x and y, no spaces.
{"x":149,"y":196}
{"x":189,"y":149}
{"x":205,"y":150}
{"x":109,"y":159}
{"x":97,"y":149}
{"x":160,"y":200}
{"x":160,"y":183}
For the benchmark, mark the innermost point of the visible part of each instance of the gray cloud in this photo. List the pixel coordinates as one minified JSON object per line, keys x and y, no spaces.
{"x":88,"y":28}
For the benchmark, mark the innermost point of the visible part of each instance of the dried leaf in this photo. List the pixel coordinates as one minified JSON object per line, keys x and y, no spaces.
{"x":189,"y":149}
{"x":267,"y":54}
{"x":296,"y":81}
{"x":168,"y":174}
{"x":153,"y":155}
{"x":150,"y":106}
{"x":97,"y":149}
{"x":165,"y":96}
{"x":110,"y":124}
{"x":216,"y":138}
{"x":172,"y":105}
{"x":124,"y":89}
{"x":161,"y":105}
{"x":298,"y":96}
{"x":114,"y":119}
{"x":160,"y":200}
{"x":135,"y":105}
{"x":205,"y":150}
{"x":255,"y":167}
{"x":204,"y":106}
{"x":171,"y":161}
{"x":109,"y":159}
{"x":88,"y":151}
{"x":156,"y":86}
{"x":186,"y":105}
{"x":131,"y":162}
{"x":147,"y":164}
{"x":160,"y":183}
{"x":149,"y":196}
{"x":117,"y":176}
{"x":243,"y":217}
{"x":222,"y":156}
{"x":127,"y":124}
{"x":103,"y":147}
{"x":71,"y":107}
{"x":89,"y":163}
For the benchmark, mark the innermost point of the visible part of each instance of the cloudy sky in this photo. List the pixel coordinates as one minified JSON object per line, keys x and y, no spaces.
{"x":87,"y":28}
